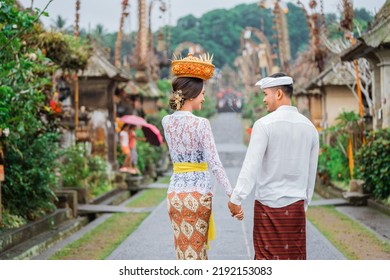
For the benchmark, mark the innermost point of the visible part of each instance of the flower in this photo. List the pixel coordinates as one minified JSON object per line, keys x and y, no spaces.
{"x":4,"y":132}
{"x":179,"y":99}
{"x":32,"y":56}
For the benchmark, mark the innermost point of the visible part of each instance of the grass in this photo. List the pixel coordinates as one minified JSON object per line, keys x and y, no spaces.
{"x":165,"y":180}
{"x":352,"y":239}
{"x":150,"y":197}
{"x":342,"y":185}
{"x":100,"y":242}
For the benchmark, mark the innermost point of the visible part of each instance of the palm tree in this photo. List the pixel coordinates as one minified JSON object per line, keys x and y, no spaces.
{"x":59,"y":23}
{"x":99,"y":32}
{"x":124,"y":14}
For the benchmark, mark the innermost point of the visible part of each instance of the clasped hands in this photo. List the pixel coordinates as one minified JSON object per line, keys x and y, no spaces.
{"x":236,"y":211}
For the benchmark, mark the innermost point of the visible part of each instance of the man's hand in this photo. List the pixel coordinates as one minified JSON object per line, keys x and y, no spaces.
{"x":236,"y":210}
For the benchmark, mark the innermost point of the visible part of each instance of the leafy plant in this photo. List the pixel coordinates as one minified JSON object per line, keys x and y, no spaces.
{"x":31,"y":147}
{"x":333,"y":161}
{"x":373,"y":163}
{"x":80,"y":170}
{"x":98,"y":181}
{"x":332,"y":164}
{"x":74,"y":167}
{"x":64,"y":50}
{"x":11,"y":221}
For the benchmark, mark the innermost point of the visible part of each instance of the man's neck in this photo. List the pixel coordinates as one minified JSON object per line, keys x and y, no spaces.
{"x":284,"y":102}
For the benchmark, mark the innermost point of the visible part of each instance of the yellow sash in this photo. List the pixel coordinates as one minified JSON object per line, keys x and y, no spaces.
{"x":181,"y":167}
{"x":211,"y":234}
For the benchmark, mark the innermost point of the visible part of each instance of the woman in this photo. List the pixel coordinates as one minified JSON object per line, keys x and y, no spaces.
{"x":193,"y":152}
{"x":124,"y":143}
{"x":133,"y":138}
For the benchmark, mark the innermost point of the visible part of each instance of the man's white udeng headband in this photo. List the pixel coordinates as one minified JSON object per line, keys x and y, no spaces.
{"x":274,"y":82}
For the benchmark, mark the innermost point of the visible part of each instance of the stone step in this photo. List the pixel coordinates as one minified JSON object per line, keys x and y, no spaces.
{"x":91,"y":208}
{"x":41,"y":242}
{"x":13,"y":237}
{"x":334,"y":202}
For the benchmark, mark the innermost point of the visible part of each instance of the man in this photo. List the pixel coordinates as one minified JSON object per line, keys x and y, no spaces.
{"x":281,"y":163}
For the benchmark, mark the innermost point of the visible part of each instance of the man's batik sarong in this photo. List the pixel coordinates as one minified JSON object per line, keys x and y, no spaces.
{"x":280,"y":233}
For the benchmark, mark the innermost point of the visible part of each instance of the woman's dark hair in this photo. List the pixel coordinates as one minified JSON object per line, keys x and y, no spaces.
{"x":190,"y":88}
{"x":124,"y":126}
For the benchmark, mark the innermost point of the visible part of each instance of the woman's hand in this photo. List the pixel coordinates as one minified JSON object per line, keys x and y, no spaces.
{"x":236,"y":210}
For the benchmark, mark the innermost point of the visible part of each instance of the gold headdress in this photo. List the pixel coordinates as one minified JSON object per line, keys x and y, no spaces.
{"x":194,"y":67}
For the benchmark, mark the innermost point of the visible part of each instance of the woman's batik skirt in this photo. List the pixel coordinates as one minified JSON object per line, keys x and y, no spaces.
{"x":190,"y":216}
{"x":280,"y":233}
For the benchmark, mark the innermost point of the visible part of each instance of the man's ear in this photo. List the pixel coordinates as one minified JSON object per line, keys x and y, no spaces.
{"x":279,"y":94}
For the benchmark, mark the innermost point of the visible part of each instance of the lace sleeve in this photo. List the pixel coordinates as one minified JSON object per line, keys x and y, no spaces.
{"x":212,"y":157}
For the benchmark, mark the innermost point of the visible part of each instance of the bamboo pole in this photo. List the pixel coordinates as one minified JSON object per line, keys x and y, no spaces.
{"x":76,"y":102}
{"x":76,"y":88}
{"x":359,"y":91}
{"x":120,"y":32}
{"x":361,"y":113}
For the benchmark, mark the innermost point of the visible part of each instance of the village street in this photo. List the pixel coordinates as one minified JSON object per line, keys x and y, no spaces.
{"x":153,"y":240}
{"x":85,"y":156}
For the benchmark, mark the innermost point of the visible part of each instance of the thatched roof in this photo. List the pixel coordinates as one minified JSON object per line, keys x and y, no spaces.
{"x":100,"y":67}
{"x":377,"y":36}
{"x":329,"y":77}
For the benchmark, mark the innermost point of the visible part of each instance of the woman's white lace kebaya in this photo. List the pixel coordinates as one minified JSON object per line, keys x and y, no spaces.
{"x":190,"y":140}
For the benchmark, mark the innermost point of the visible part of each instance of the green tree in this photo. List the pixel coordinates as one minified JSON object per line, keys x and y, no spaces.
{"x":59,"y":24}
{"x":30,"y":149}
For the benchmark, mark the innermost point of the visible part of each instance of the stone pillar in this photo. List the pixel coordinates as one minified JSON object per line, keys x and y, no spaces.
{"x":375,"y":90}
{"x":384,"y":66}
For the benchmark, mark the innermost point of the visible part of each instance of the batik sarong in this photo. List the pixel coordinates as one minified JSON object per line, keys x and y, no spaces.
{"x":280,"y":233}
{"x":190,"y":216}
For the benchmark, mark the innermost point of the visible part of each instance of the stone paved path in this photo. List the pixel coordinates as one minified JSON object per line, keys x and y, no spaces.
{"x":153,"y":240}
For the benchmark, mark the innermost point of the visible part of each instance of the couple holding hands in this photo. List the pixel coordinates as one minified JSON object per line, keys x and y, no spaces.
{"x":280,"y":164}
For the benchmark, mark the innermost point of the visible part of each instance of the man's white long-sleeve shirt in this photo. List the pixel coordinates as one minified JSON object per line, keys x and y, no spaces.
{"x":281,"y":160}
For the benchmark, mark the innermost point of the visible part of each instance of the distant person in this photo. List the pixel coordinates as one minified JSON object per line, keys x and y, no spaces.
{"x":133,"y":138}
{"x":281,"y":164}
{"x":124,"y":144}
{"x":194,"y":154}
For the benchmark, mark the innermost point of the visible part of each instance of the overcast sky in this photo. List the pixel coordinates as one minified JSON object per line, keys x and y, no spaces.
{"x":107,"y":12}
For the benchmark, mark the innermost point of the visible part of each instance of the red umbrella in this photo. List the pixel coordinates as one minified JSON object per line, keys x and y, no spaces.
{"x":134,"y":120}
{"x":152,"y":134}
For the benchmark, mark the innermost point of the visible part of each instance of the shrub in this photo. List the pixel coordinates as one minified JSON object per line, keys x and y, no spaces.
{"x":333,"y":163}
{"x":74,"y":167}
{"x":31,"y":147}
{"x":373,"y":163}
{"x":80,"y":170}
{"x":11,"y":221}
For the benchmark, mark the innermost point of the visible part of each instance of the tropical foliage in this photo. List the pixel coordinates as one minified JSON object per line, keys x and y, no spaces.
{"x":373,"y":164}
{"x":28,"y":58}
{"x":30,"y":149}
{"x":218,"y":31}
{"x":80,"y":170}
{"x":334,"y":158}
